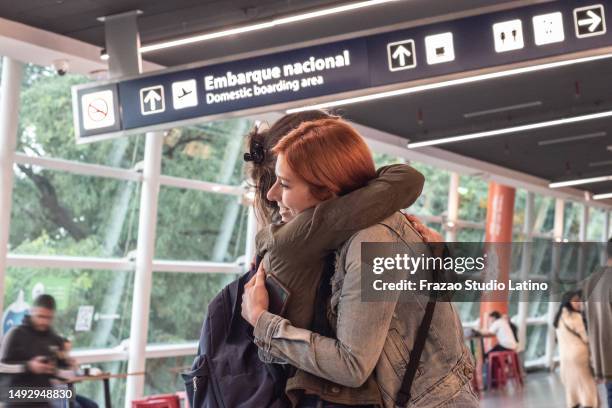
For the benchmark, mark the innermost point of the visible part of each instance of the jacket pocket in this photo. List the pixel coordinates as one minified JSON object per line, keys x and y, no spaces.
{"x":398,"y":353}
{"x":196,"y":382}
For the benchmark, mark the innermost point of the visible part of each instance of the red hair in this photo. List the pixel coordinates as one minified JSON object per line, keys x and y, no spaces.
{"x":329,"y":155}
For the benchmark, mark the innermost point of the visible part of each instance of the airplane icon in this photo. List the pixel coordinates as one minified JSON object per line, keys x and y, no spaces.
{"x":185,"y":93}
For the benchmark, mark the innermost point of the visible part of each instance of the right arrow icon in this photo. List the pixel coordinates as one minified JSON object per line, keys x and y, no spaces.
{"x":590,"y":21}
{"x":400,"y":55}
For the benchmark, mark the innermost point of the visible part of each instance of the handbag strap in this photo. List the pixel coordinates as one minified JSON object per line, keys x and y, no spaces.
{"x":572,"y":331}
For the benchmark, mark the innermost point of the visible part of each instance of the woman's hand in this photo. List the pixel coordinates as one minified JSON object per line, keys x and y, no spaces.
{"x":429,"y":235}
{"x":255,"y":297}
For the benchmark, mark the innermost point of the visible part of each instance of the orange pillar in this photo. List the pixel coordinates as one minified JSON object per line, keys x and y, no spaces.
{"x":500,"y":211}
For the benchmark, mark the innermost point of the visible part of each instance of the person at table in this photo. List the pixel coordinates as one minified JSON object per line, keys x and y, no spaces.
{"x":31,"y":353}
{"x":500,"y":328}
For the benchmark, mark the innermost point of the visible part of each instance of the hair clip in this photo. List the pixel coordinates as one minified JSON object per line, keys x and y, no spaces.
{"x":256,"y":153}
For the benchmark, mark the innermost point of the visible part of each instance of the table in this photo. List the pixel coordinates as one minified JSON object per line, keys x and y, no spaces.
{"x":105,"y":378}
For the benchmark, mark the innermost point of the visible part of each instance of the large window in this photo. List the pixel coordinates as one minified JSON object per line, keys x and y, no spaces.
{"x":595,"y":228}
{"x":179,"y":303}
{"x":196,"y":225}
{"x":59,"y":213}
{"x":473,"y":194}
{"x":571,"y":221}
{"x":209,"y":152}
{"x":102,"y":299}
{"x":71,"y":215}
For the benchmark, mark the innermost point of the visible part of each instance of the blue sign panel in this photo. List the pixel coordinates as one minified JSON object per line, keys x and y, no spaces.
{"x":358,"y":65}
{"x":238,"y":85}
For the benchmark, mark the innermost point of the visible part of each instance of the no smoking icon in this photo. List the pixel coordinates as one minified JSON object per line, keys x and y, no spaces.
{"x":98,"y":109}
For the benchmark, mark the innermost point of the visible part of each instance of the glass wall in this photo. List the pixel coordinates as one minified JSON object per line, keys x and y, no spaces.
{"x":70,"y":220}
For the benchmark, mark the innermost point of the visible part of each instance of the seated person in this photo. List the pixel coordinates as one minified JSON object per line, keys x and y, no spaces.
{"x":501,"y":328}
{"x":32,"y":352}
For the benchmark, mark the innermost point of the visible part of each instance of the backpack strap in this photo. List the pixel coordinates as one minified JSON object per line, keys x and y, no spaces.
{"x":403,"y":395}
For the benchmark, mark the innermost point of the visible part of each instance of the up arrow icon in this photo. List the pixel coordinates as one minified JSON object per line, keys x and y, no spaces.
{"x":400,"y":55}
{"x":152,"y":100}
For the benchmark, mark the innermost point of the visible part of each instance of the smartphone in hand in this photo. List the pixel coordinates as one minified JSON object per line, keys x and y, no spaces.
{"x":278,"y":295}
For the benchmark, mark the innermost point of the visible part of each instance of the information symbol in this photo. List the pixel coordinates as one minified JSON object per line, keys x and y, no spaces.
{"x":97,"y":110}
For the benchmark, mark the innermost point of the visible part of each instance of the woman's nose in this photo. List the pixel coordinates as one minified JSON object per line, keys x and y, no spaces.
{"x":273,"y":192}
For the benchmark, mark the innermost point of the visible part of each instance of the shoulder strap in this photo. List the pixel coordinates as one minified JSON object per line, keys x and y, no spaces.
{"x":569,"y":329}
{"x":403,"y":395}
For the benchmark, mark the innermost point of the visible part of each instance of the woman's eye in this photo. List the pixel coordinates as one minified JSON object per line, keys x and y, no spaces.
{"x":284,"y":185}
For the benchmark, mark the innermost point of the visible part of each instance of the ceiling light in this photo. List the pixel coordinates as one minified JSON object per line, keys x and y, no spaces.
{"x":513,"y":129}
{"x":602,"y":196}
{"x":600,"y":163}
{"x":502,"y":109}
{"x":577,"y":182}
{"x":571,"y":138}
{"x":263,"y":25}
{"x":452,"y":82}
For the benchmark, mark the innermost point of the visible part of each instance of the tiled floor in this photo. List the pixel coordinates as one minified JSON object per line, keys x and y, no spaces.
{"x":541,"y":390}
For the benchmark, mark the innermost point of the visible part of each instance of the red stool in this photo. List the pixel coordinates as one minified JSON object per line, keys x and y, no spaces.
{"x":502,"y":366}
{"x":158,"y":401}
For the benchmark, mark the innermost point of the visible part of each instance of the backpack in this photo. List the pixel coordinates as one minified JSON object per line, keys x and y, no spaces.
{"x":227,"y":371}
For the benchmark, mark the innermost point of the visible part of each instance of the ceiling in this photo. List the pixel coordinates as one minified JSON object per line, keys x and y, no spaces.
{"x":450,"y":111}
{"x":534,"y":97}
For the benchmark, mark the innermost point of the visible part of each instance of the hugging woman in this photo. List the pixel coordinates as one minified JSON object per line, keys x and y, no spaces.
{"x":330,"y":200}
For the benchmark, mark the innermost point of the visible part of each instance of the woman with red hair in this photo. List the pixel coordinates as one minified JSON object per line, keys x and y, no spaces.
{"x":342,"y":197}
{"x":321,"y":169}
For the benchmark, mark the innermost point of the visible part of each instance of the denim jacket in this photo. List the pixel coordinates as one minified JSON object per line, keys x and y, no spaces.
{"x":376,"y":337}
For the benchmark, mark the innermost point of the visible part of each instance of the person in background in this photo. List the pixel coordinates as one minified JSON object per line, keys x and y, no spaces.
{"x":576,"y":376}
{"x":31,"y":353}
{"x":598,"y":307}
{"x":500,"y":328}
